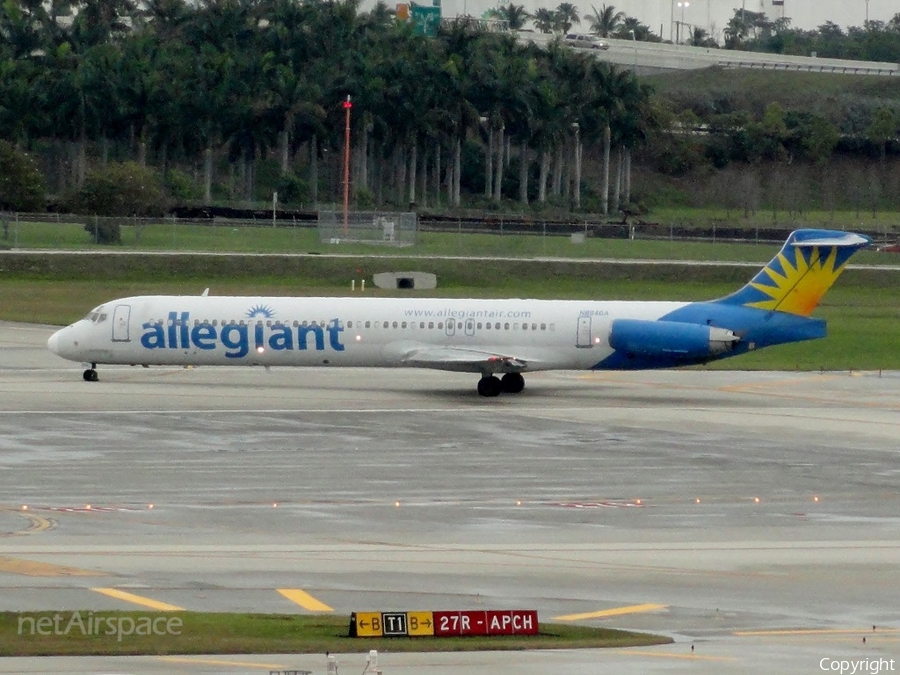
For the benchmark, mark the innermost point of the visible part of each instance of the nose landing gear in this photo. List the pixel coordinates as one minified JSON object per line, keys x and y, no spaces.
{"x":90,"y":375}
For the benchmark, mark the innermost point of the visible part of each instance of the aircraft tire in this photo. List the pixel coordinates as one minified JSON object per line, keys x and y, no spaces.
{"x":489,"y":386}
{"x":90,"y":375}
{"x":512,"y":383}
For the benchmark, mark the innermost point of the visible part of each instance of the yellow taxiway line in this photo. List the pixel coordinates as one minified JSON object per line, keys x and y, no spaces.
{"x":34,"y":568}
{"x":37,"y":524}
{"x":305,"y":600}
{"x":814,"y":631}
{"x":615,"y":611}
{"x":667,"y":655}
{"x":214,"y":662}
{"x":138,"y":600}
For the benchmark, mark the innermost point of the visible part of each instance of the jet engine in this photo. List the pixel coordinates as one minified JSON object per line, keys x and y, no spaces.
{"x":670,"y":339}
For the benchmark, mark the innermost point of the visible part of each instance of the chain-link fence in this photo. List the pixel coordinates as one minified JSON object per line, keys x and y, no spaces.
{"x":368,"y":227}
{"x":472,"y":235}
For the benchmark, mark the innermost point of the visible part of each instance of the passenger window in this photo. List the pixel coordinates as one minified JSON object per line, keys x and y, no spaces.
{"x":440,"y":325}
{"x":487,"y":326}
{"x":543,"y":326}
{"x":386,"y":325}
{"x":403,"y":325}
{"x":395,"y":324}
{"x":422,"y":325}
{"x":431,"y":324}
{"x":506,"y":326}
{"x":524,"y":326}
{"x":368,"y":324}
{"x":478,"y":326}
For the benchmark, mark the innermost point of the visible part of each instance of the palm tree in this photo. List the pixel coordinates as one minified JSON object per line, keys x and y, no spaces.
{"x":606,"y":21}
{"x":633,"y":26}
{"x":700,"y":38}
{"x":544,"y":20}
{"x":514,"y":15}
{"x":567,"y":16}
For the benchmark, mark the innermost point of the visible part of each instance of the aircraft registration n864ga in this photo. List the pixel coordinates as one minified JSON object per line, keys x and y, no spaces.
{"x":504,"y":338}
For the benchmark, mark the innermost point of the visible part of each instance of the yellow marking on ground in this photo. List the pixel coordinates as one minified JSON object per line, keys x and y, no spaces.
{"x":33,"y":568}
{"x":215,"y":662}
{"x":36,"y":525}
{"x":667,"y":655}
{"x":305,"y":600}
{"x":138,"y":600}
{"x":753,"y":388}
{"x":615,"y":611}
{"x":750,"y":386}
{"x":815,"y":631}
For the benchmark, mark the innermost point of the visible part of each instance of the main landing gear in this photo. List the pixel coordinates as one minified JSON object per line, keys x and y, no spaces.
{"x":90,"y":375}
{"x":511,"y":383}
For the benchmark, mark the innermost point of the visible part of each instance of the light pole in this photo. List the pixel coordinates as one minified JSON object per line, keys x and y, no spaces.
{"x":671,"y":20}
{"x":634,"y":44}
{"x":682,"y":5}
{"x":577,"y":129}
{"x":347,"y":106}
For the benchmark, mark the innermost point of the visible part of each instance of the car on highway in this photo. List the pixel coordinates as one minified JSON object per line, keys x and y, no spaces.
{"x":586,"y":41}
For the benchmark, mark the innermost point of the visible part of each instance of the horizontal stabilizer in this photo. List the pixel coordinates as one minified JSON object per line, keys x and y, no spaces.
{"x":850,"y":239}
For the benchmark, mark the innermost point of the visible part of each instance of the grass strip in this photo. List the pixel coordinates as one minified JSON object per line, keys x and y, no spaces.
{"x":264,"y":239}
{"x":98,"y":634}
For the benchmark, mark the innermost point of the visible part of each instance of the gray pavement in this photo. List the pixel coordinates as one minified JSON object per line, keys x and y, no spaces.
{"x":754,"y":516}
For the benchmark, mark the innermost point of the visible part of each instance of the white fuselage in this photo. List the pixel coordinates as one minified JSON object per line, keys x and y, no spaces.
{"x":345,"y":331}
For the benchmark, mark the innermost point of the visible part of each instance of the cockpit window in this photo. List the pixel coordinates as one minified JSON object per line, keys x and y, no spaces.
{"x":96,"y":315}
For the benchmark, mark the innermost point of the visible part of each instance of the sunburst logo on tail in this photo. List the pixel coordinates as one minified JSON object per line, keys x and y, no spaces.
{"x":799,"y":276}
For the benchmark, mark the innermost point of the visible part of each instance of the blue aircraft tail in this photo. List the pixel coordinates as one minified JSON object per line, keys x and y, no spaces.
{"x":799,"y":276}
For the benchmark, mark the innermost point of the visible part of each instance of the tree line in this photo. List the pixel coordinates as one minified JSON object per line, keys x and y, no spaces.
{"x":224,"y":83}
{"x":746,"y":30}
{"x":874,"y":41}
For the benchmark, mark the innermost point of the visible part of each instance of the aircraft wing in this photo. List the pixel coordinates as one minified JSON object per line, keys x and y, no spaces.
{"x":462,"y":360}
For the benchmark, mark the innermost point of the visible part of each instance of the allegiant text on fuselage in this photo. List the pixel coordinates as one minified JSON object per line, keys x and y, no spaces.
{"x":235,"y":338}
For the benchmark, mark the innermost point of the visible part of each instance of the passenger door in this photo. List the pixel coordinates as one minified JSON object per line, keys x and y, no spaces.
{"x":583,"y":333}
{"x":121,"y":320}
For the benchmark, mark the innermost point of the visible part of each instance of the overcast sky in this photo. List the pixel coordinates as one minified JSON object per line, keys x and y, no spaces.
{"x":806,"y":14}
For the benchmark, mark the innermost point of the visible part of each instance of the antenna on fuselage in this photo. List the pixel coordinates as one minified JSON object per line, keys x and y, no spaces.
{"x":204,"y":293}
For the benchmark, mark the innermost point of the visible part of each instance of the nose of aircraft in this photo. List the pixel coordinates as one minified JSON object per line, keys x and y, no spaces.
{"x":53,"y":343}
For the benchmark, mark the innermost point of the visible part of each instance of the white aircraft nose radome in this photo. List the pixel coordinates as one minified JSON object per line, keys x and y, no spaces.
{"x":53,"y":343}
